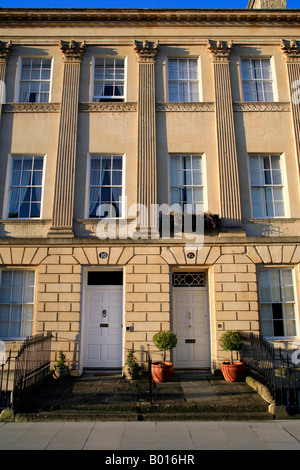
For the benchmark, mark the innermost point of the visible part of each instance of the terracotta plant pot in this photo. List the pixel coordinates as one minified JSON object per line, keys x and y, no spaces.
{"x":161,"y":372}
{"x":233,"y":372}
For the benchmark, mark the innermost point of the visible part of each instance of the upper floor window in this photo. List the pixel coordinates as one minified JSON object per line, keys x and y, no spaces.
{"x":277,"y":302}
{"x":105,"y":186}
{"x":25,"y":187}
{"x":109,"y":80}
{"x":187,"y":186}
{"x":16,"y":303}
{"x":35,"y":79}
{"x":257,"y":80}
{"x":266,"y":186}
{"x":183,"y":82}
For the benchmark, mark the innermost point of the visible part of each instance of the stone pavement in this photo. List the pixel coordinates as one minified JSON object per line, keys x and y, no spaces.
{"x":186,"y":397}
{"x":183,"y":438}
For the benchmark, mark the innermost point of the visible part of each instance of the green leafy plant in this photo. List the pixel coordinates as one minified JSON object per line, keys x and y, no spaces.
{"x":61,"y":362}
{"x":232,"y":341}
{"x":164,"y":341}
{"x":131,"y":360}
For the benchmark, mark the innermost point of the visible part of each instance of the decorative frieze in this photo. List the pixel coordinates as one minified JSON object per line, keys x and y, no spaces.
{"x":31,"y":108}
{"x":261,"y":107}
{"x":110,"y":107}
{"x":185,"y":107}
{"x":62,"y":218}
{"x":227,"y":154}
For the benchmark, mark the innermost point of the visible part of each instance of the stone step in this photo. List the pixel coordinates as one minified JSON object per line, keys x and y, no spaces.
{"x":72,"y":415}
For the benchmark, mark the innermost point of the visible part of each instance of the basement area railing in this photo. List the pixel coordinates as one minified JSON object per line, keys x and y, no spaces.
{"x":26,"y":368}
{"x":274,"y":368}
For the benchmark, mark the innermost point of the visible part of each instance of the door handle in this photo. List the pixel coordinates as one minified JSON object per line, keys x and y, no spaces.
{"x":104,"y":313}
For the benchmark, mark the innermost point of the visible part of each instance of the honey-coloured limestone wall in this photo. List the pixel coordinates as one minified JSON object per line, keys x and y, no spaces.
{"x":232,"y":277}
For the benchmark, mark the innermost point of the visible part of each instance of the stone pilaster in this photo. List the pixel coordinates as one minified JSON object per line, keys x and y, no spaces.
{"x":291,"y":52}
{"x":5,"y":51}
{"x":62,"y":218}
{"x":147,"y":178}
{"x":228,"y":169}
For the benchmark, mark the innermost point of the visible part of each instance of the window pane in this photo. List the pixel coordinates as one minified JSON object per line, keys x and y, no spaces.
{"x":257,"y":80}
{"x":16,"y":311}
{"x":183,"y":80}
{"x":109,"y":78}
{"x":266,"y":186}
{"x":35,"y":80}
{"x":279,"y":306}
{"x":105,"y":186}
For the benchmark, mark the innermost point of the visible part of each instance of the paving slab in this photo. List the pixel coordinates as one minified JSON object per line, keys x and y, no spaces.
{"x":154,"y":436}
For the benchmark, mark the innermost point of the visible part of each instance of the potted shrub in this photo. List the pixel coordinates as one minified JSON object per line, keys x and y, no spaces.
{"x":164,"y":341}
{"x":131,"y":368}
{"x":233,"y":371}
{"x":61,"y":369}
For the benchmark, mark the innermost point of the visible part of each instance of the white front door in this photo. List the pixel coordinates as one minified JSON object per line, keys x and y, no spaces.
{"x":191,"y":324}
{"x":103,"y":327}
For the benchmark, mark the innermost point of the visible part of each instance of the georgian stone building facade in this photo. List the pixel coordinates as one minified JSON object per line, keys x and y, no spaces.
{"x":149,"y":107}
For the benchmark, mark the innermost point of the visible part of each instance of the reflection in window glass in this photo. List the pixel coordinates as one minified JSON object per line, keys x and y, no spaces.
{"x":16,"y":303}
{"x":277,"y":302}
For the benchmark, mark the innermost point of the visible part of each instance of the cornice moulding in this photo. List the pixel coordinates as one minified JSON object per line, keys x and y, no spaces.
{"x":13,"y":17}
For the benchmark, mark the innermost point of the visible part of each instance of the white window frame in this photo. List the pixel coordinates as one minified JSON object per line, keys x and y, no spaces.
{"x":272,"y":80}
{"x":283,"y":302}
{"x":92,"y":87}
{"x":18,"y":80}
{"x":282,"y":186}
{"x":123,"y":204}
{"x":8,"y":186}
{"x":203,"y":186}
{"x":20,"y":338}
{"x":198,"y":80}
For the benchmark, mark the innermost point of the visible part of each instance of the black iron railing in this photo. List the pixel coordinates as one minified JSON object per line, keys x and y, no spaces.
{"x":275,"y":369}
{"x":28,"y":367}
{"x":5,"y":393}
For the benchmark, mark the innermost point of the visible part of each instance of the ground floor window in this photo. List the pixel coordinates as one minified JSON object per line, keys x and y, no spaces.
{"x":16,"y":303}
{"x":277,"y":302}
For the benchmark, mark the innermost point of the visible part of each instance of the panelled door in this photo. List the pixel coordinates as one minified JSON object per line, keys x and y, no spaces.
{"x":103,"y":326}
{"x":191,"y":322}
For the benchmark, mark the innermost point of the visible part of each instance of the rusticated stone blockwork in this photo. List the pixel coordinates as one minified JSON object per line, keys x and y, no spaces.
{"x":233,"y":289}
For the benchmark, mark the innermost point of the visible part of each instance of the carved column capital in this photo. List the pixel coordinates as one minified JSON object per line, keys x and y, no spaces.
{"x":5,"y":50}
{"x":146,"y":50}
{"x":291,"y":50}
{"x":220,"y":50}
{"x":72,"y":50}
